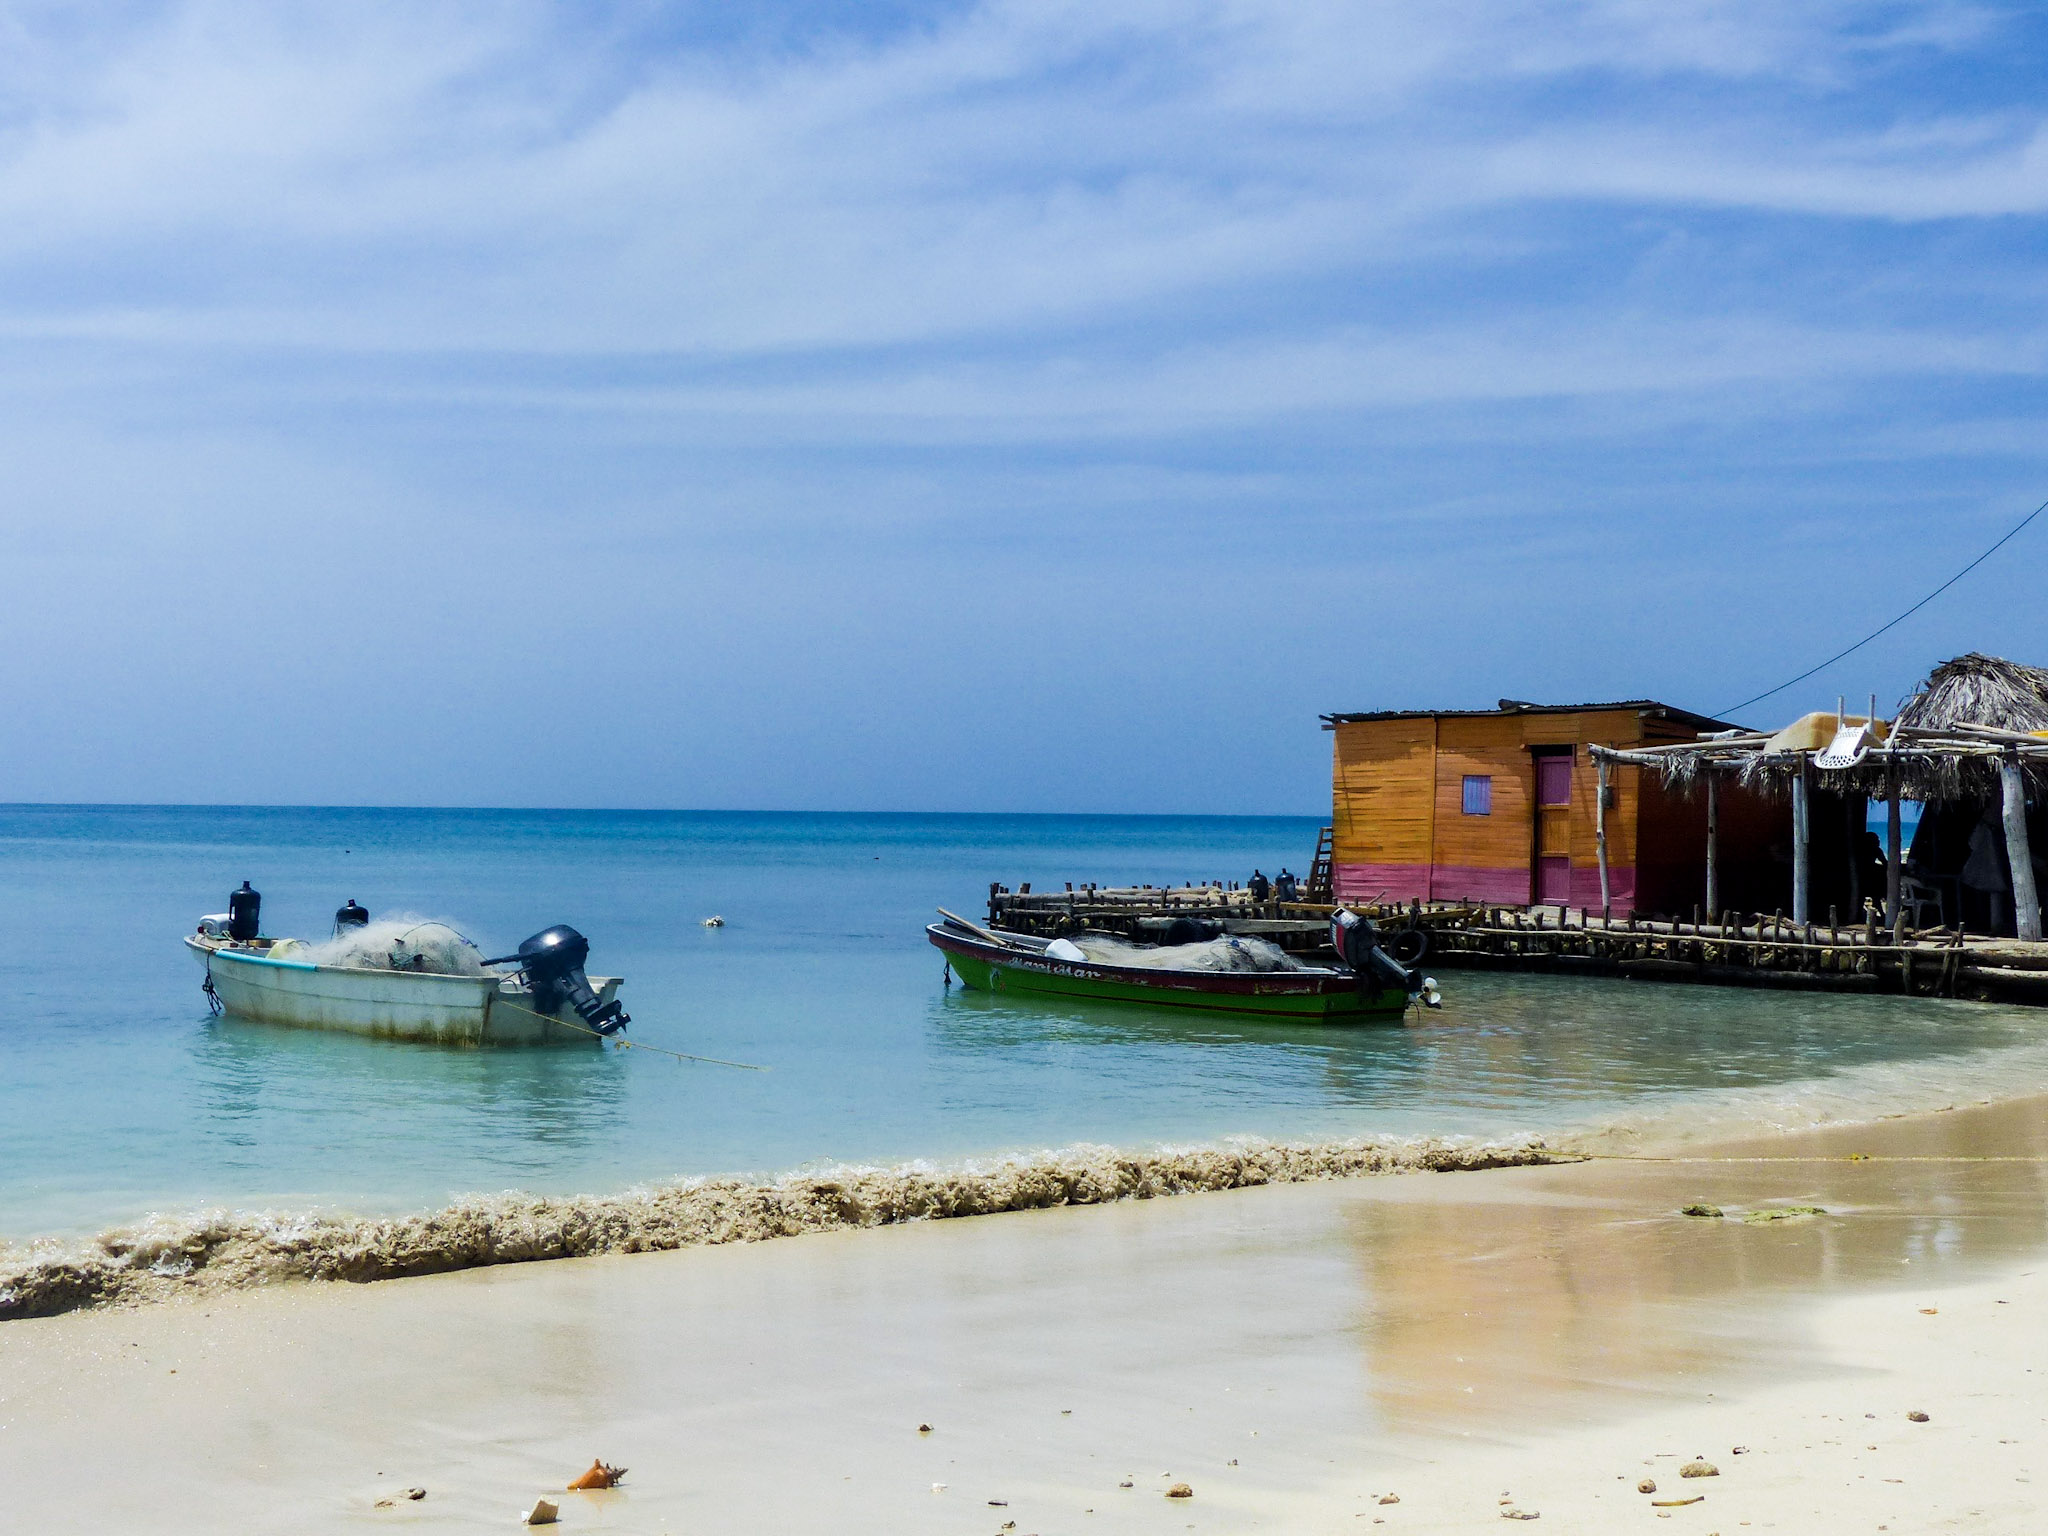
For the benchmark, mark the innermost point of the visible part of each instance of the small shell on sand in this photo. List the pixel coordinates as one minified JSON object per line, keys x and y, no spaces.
{"x":1917,"y":1416}
{"x":601,"y":1475}
{"x":542,"y":1513}
{"x":1647,"y":1485}
{"x":1180,"y":1491}
{"x":1699,"y":1469}
{"x":1390,"y":1498}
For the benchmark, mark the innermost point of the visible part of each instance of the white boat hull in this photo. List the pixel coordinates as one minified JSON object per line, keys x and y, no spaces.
{"x":397,"y":1005}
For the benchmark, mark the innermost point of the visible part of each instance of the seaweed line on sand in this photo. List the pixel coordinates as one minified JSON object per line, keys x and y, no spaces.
{"x":224,"y":1251}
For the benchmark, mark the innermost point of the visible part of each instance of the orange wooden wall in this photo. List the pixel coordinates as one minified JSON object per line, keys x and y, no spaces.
{"x":1399,"y":824}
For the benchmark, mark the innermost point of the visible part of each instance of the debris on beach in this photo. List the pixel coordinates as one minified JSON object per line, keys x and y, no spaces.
{"x":221,"y":1251}
{"x":542,"y":1513}
{"x":1929,"y":1311}
{"x":1180,"y":1491}
{"x":1390,"y":1498}
{"x":1511,"y":1513}
{"x":1126,"y":1483}
{"x":1782,"y":1213}
{"x":938,"y":1487}
{"x":1917,"y":1416}
{"x":924,"y":1429}
{"x":601,"y":1475}
{"x":1699,"y":1469}
{"x":1698,"y":1498}
{"x":403,"y":1493}
{"x":1647,"y":1485}
{"x":1699,"y":1208}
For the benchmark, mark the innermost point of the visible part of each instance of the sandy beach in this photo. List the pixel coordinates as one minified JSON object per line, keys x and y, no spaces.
{"x":1480,"y":1344}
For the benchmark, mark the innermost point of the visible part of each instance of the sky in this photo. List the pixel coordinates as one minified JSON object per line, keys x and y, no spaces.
{"x":1036,"y":406}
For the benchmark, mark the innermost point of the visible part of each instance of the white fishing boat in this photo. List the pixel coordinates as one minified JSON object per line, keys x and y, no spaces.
{"x":422,"y":982}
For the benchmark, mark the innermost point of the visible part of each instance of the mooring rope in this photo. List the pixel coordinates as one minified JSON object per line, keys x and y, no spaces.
{"x":1930,"y":597}
{"x":622,"y":1044}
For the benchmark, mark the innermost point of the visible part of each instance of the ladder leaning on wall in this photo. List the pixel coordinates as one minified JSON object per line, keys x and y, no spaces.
{"x":1321,"y":885}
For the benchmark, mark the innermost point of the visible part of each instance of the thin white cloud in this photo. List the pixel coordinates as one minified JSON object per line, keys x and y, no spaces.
{"x":410,"y":178}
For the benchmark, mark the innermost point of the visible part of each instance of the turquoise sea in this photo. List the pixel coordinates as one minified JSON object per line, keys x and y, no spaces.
{"x":122,"y":1097}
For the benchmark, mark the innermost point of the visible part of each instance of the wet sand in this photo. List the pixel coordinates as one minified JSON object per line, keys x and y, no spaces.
{"x":1544,"y":1335}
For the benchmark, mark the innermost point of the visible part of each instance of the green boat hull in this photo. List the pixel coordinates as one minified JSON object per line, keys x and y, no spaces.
{"x":1276,"y":994}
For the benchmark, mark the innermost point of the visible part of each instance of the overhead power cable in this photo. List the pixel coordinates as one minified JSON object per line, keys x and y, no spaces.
{"x":1894,"y":623}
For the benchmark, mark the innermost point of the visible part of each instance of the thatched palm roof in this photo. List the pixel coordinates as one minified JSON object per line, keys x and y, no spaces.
{"x":1970,"y":691}
{"x":1979,"y":690}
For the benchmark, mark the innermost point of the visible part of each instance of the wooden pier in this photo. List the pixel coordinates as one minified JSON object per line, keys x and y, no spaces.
{"x":1747,"y":950}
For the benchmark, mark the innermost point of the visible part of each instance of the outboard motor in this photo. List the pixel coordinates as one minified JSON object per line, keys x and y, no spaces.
{"x":1357,"y":942}
{"x":552,"y":962}
{"x":245,"y":908}
{"x":351,"y":916}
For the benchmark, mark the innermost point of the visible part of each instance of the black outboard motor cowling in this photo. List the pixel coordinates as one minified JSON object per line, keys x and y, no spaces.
{"x":1358,"y":945}
{"x":245,"y":914}
{"x":351,"y":916}
{"x":552,"y":962}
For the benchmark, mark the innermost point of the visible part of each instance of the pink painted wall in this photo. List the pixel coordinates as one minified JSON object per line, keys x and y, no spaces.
{"x":1455,"y":882}
{"x":1621,"y":886}
{"x":1387,"y":882}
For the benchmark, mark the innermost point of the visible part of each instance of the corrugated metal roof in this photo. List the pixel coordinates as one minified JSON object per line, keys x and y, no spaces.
{"x":1521,"y":707}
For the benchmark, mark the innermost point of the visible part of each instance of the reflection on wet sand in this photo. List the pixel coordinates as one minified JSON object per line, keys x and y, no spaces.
{"x":1583,"y":1289}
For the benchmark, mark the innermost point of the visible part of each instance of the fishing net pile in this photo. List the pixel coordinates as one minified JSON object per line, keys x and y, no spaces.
{"x":397,"y":944}
{"x":1232,"y":952}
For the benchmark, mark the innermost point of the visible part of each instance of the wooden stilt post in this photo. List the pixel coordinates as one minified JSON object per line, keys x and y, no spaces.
{"x":1893,"y":915}
{"x":2026,"y":899}
{"x":1713,"y":846}
{"x":1600,"y":836}
{"x":1802,"y":874}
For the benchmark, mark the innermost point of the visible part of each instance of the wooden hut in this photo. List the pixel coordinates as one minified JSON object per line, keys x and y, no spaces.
{"x":1503,"y":806}
{"x":1971,"y":744}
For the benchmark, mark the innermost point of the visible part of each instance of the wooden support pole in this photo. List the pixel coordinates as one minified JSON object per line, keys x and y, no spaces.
{"x":1600,"y":838}
{"x":1713,"y":845}
{"x":1893,"y":916}
{"x":2026,"y":899}
{"x":1802,"y":874}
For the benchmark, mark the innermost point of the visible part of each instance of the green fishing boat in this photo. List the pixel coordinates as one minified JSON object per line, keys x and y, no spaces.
{"x":1021,"y":965}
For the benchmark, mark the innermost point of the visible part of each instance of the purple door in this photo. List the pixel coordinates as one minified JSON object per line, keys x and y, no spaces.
{"x":1553,"y":882}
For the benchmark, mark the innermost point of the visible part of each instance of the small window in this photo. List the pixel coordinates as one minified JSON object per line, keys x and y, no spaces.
{"x":1478,"y":794}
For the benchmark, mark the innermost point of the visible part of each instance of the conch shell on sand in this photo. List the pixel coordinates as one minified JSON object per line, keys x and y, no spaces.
{"x":600,"y":1475}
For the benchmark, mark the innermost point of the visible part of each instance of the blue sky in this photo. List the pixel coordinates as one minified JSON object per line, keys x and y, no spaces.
{"x":1039,"y":406}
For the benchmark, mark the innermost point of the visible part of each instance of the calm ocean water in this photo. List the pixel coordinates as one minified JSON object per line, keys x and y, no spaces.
{"x":120,"y":1096}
